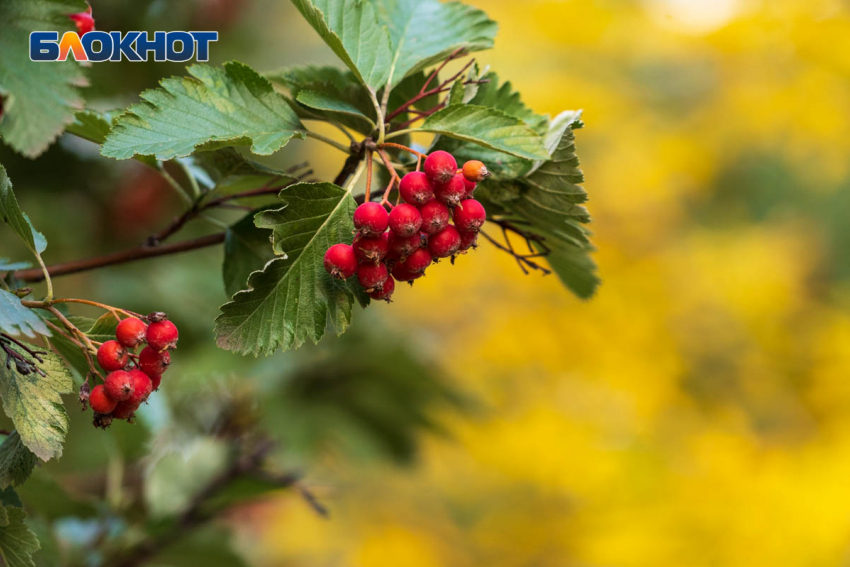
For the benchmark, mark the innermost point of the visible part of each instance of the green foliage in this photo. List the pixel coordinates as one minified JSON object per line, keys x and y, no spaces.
{"x":17,"y":542}
{"x":293,"y":298}
{"x":246,"y":250}
{"x":34,"y":403}
{"x":39,"y":99}
{"x":15,"y":319}
{"x":323,"y":102}
{"x":17,"y":220}
{"x":16,"y":461}
{"x":214,"y":108}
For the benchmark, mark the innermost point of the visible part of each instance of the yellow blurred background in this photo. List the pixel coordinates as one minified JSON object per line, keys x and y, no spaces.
{"x":693,"y":413}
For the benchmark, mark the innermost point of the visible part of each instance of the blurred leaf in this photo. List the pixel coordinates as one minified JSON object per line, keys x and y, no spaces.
{"x":210,"y":547}
{"x":214,"y":108}
{"x":34,"y":404}
{"x":351,"y":29}
{"x":15,"y":319}
{"x":16,"y":461}
{"x":226,"y":172}
{"x":17,"y":220}
{"x":321,"y":101}
{"x":293,"y":298}
{"x":424,"y":32}
{"x":46,"y":498}
{"x":488,"y":127}
{"x":246,"y":249}
{"x":8,"y":266}
{"x":39,"y":98}
{"x":17,"y":542}
{"x":49,"y":554}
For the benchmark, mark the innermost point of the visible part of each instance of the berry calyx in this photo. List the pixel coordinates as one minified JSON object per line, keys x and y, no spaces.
{"x":405,"y":220}
{"x":153,"y":362}
{"x":370,"y":249}
{"x":418,"y":261}
{"x":84,"y":21}
{"x":131,"y":332}
{"x":475,"y":171}
{"x":371,"y":219}
{"x":469,"y":215}
{"x":440,"y":166}
{"x":401,"y":246}
{"x":340,"y":261}
{"x":162,"y":335}
{"x":468,"y":239}
{"x":435,"y":217}
{"x":402,"y":274}
{"x":142,"y":386}
{"x":118,"y":385}
{"x":112,"y":356}
{"x":445,"y":243}
{"x":385,"y":292}
{"x":451,"y":193}
{"x":372,"y":276}
{"x":415,"y":188}
{"x":100,"y":401}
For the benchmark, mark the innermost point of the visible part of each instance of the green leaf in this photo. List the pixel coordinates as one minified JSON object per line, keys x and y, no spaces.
{"x":213,"y":108}
{"x":12,"y":215}
{"x":34,"y":403}
{"x":328,"y":103}
{"x":293,"y":298}
{"x":488,"y":127}
{"x":39,"y":98}
{"x":351,"y":30}
{"x":16,"y":461}
{"x":8,"y":266}
{"x":91,"y":125}
{"x":246,"y":250}
{"x":423,"y":32}
{"x":17,"y":542}
{"x":15,"y":319}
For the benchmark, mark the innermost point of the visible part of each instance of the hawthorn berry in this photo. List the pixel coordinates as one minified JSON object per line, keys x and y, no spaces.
{"x":371,"y":219}
{"x":162,"y":335}
{"x":142,"y":386}
{"x":470,"y":188}
{"x":418,"y":261}
{"x":440,"y":166}
{"x":468,"y":239}
{"x":84,"y":21}
{"x":469,"y":215}
{"x":405,"y":220}
{"x":118,"y":385}
{"x":401,"y":246}
{"x":415,"y":188}
{"x":371,"y":249}
{"x":125,"y":410}
{"x":112,"y":356}
{"x":451,"y":193}
{"x":153,"y":362}
{"x":372,"y":276}
{"x":435,"y":217}
{"x":475,"y":171}
{"x":402,"y":274}
{"x":445,"y":243}
{"x":155,"y":382}
{"x":131,"y":332}
{"x":340,"y":261}
{"x":100,"y":401}
{"x":385,"y":292}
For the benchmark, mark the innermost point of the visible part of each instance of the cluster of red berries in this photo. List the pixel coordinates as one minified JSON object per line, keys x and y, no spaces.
{"x":132,"y":378}
{"x":419,"y":229}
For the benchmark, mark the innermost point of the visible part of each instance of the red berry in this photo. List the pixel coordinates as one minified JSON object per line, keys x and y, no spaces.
{"x":371,"y":219}
{"x":444,"y":243}
{"x":469,"y":215}
{"x":153,"y":362}
{"x":83,"y":21}
{"x":435,"y":217}
{"x":405,"y":220}
{"x":440,"y":166}
{"x":112,"y":356}
{"x":470,"y":187}
{"x":468,"y":239}
{"x":451,"y":193}
{"x":385,"y":292}
{"x":131,"y":332}
{"x":370,"y":249}
{"x":418,"y":261}
{"x":372,"y":276}
{"x":100,"y":400}
{"x":475,"y":171}
{"x":402,"y":274}
{"x":155,"y":381}
{"x":340,"y":261}
{"x":415,"y":188}
{"x":142,"y":386}
{"x":162,"y":335}
{"x":125,"y":410}
{"x":118,"y":385}
{"x":401,"y":246}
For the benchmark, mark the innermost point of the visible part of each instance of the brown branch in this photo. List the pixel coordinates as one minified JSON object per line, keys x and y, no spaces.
{"x":351,"y":163}
{"x":525,"y":261}
{"x":442,"y":87}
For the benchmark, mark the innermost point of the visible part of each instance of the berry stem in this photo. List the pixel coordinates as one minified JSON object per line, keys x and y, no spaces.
{"x":442,"y":87}
{"x":368,"y":174}
{"x":420,"y":155}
